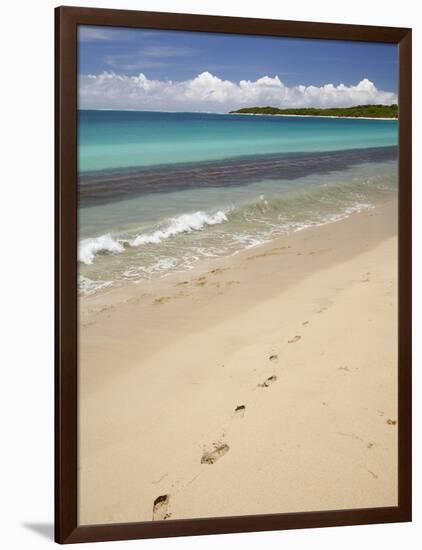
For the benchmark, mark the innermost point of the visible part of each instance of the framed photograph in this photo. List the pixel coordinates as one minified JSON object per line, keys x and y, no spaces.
{"x":233,"y":274}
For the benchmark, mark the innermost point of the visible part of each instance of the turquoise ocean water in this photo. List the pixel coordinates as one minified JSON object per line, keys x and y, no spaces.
{"x":159,"y":191}
{"x":118,"y":139}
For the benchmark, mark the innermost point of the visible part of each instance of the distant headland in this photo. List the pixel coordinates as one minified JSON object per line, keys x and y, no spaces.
{"x":359,"y":111}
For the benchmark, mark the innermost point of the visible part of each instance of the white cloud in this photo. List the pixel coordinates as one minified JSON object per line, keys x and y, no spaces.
{"x":207,"y":92}
{"x":93,"y":34}
{"x":148,"y":57}
{"x":167,"y":51}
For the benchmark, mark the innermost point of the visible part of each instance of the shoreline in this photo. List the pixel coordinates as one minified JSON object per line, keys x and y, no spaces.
{"x":300,"y":332}
{"x":225,"y":114}
{"x":318,"y":116}
{"x":159,"y":286}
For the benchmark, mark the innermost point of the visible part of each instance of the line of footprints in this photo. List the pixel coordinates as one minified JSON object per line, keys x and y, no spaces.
{"x":220,"y":448}
{"x":161,"y":504}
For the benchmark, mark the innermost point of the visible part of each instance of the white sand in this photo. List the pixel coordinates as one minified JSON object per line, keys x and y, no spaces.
{"x":301,"y":332}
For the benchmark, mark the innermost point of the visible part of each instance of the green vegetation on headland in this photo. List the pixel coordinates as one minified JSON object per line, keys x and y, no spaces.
{"x":370,"y":111}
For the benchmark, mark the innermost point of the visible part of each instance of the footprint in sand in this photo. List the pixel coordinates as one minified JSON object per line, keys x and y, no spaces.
{"x":365,"y":278}
{"x":239,"y":411}
{"x":201,"y":281}
{"x":162,"y":300}
{"x":219,"y":450}
{"x":268,"y":381}
{"x":273,"y":357}
{"x":160,"y":508}
{"x":345,"y":368}
{"x":391,"y":422}
{"x":305,"y":323}
{"x":294,"y":339}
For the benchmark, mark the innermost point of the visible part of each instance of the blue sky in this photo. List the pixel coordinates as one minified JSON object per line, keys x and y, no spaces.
{"x":182,"y":56}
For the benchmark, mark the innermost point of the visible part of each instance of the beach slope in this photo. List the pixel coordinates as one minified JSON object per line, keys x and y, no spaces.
{"x":265,"y":383}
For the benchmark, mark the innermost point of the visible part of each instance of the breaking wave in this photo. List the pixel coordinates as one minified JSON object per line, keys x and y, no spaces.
{"x":185,"y":223}
{"x":89,"y":248}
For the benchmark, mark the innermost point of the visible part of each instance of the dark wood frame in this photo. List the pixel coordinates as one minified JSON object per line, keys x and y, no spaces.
{"x":66,"y":319}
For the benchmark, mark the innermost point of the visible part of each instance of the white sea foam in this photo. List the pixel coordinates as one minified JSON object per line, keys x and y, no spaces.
{"x":88,"y":286}
{"x":89,"y":248}
{"x":186,"y":223}
{"x":329,"y":218}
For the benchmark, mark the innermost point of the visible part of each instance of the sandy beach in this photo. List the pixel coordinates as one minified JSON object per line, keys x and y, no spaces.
{"x":316,"y":116}
{"x":265,"y":382}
